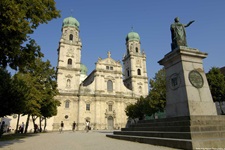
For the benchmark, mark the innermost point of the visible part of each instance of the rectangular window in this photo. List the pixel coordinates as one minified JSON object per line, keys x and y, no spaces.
{"x":67,"y":104}
{"x":110,"y":107}
{"x":87,"y":107}
{"x":111,"y":68}
{"x":107,"y":67}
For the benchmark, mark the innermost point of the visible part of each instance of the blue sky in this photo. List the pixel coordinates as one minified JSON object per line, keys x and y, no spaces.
{"x":104,"y":25}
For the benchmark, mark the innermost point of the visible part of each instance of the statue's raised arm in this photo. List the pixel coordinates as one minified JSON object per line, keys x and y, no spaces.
{"x":189,"y":23}
{"x":178,"y":33}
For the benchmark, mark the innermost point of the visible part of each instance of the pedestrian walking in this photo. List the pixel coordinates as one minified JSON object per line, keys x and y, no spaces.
{"x":35,"y":128}
{"x":87,"y":126}
{"x":61,"y":127}
{"x":22,"y":127}
{"x":74,"y":126}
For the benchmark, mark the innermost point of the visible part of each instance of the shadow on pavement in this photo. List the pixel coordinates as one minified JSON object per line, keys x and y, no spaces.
{"x":9,"y":139}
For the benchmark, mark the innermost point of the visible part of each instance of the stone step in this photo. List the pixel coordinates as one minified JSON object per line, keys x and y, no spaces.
{"x":174,"y":143}
{"x":178,"y":123}
{"x":177,"y":128}
{"x":211,"y":143}
{"x":180,"y":135}
{"x":186,"y":118}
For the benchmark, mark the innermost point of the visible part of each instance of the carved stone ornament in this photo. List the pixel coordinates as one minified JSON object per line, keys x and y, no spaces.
{"x":196,"y":79}
{"x":174,"y":81}
{"x":69,"y":76}
{"x":70,"y":52}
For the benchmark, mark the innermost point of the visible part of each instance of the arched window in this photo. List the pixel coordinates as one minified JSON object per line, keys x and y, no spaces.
{"x":67,"y":104}
{"x":109,"y":86}
{"x":139,"y":71}
{"x":110,"y":107}
{"x":128,"y":72}
{"x":71,"y":37}
{"x":69,"y":62}
{"x":131,"y":47}
{"x":136,"y":50}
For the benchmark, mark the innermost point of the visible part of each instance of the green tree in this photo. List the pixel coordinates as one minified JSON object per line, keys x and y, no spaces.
{"x":13,"y":93}
{"x":157,"y":94}
{"x":154,"y":102}
{"x":139,"y":109}
{"x":5,"y":88}
{"x":216,"y":82}
{"x":41,"y":78}
{"x":19,"y":19}
{"x":32,"y":106}
{"x":130,"y":111}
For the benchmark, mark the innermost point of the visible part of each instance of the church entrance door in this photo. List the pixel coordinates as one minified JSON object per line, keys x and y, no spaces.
{"x":110,"y":123}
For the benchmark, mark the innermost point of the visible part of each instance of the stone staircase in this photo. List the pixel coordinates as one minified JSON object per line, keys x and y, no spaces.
{"x":191,"y":132}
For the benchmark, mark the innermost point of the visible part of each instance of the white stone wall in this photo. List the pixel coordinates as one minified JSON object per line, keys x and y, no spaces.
{"x":11,"y":122}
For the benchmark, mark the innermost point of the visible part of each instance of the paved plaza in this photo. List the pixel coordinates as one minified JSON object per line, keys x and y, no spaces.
{"x":79,"y":140}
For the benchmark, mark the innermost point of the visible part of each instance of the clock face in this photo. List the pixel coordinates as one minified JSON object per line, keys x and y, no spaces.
{"x":196,"y":79}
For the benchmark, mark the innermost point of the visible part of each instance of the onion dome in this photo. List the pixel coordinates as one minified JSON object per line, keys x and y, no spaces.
{"x":70,"y":22}
{"x":133,"y":36}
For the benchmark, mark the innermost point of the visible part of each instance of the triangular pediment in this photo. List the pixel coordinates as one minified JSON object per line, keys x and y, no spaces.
{"x":108,"y":60}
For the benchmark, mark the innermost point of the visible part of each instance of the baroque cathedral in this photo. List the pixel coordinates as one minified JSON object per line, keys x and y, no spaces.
{"x":102,"y":96}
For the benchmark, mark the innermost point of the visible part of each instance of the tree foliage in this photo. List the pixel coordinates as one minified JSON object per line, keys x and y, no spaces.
{"x":5,"y":88}
{"x":19,"y":19}
{"x":29,"y":92}
{"x":13,"y":93}
{"x":154,"y":102}
{"x":139,"y":110}
{"x":41,"y":79}
{"x":157,"y":92}
{"x":216,"y":82}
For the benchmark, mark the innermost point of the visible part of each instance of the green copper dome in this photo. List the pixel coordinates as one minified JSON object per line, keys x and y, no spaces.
{"x":70,"y":22}
{"x":133,"y":36}
{"x":83,"y":69}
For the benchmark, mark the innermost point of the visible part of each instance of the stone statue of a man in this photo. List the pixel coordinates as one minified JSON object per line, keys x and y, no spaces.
{"x":178,"y":33}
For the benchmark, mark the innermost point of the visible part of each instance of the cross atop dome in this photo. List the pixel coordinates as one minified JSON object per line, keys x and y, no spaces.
{"x":109,"y":54}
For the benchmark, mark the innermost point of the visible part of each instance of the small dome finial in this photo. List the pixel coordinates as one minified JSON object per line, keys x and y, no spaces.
{"x":71,"y":12}
{"x":132,"y":28}
{"x":109,"y":54}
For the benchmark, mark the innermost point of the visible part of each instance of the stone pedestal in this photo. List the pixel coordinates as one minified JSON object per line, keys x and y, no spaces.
{"x":192,"y":121}
{"x":188,"y":93}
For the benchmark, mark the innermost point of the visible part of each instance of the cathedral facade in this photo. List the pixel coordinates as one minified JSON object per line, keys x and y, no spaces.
{"x":102,"y":96}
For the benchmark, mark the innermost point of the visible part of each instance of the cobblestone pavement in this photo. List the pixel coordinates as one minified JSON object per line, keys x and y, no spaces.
{"x":80,"y":140}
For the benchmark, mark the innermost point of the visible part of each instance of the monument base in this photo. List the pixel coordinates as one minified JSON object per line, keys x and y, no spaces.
{"x":187,"y":89}
{"x":189,"y":132}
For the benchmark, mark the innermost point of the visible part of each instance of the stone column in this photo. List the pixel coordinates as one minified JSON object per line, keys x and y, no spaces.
{"x":188,"y":93}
